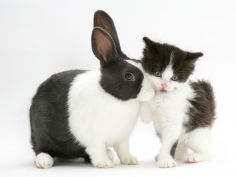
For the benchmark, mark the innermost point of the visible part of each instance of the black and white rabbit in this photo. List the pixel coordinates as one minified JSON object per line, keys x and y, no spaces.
{"x":80,"y":113}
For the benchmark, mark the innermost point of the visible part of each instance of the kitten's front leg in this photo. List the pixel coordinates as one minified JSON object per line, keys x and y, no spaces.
{"x":169,"y":136}
{"x":122,"y":150}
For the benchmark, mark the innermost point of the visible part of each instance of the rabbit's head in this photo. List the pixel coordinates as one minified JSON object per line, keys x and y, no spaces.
{"x":121,"y":76}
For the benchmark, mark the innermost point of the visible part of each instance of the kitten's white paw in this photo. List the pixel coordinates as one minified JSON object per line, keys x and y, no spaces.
{"x":43,"y":160}
{"x":104,"y":164}
{"x":166,"y":163}
{"x":111,"y":155}
{"x":129,"y":160}
{"x":192,"y":158}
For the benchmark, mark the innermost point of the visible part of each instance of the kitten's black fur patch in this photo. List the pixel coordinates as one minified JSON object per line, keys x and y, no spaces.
{"x":202,"y":110}
{"x":156,"y":57}
{"x":49,"y":118}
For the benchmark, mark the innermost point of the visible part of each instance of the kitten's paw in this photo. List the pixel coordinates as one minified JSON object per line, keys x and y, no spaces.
{"x":129,"y":160}
{"x":104,"y":164}
{"x":43,"y":160}
{"x":192,"y":158}
{"x":166,"y":163}
{"x":111,"y":155}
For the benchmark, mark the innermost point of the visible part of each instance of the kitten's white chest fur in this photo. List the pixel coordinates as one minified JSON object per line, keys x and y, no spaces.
{"x":169,"y":108}
{"x":168,"y":113}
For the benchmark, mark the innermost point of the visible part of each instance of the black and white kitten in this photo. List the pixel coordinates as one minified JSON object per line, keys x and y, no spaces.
{"x":182,"y":111}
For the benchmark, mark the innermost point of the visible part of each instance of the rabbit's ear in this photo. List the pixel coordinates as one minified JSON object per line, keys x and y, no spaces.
{"x":103,"y":46}
{"x":103,"y":20}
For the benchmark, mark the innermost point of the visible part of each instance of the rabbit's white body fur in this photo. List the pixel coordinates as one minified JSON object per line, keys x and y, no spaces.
{"x":94,"y":114}
{"x":97,"y":119}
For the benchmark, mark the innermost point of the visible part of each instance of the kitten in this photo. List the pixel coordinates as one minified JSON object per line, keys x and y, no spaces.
{"x":182,"y":111}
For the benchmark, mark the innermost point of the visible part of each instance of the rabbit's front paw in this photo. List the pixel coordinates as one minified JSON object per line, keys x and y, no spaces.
{"x":106,"y":163}
{"x":129,"y":160}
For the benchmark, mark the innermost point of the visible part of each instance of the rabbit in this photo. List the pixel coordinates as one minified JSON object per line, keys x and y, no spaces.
{"x":81,"y":113}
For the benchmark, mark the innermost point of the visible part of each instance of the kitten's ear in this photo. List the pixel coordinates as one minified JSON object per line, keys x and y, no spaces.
{"x":150,"y":49}
{"x":193,"y":56}
{"x":149,"y":42}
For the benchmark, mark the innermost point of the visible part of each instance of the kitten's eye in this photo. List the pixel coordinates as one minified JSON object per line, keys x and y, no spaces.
{"x":158,"y":74}
{"x":174,"y":78}
{"x":129,"y":76}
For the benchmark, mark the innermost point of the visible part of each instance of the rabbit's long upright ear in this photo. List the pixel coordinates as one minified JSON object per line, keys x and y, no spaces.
{"x":103,"y":20}
{"x":103,"y":46}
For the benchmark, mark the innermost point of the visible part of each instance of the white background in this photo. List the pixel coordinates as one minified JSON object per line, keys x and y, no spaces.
{"x":42,"y":37}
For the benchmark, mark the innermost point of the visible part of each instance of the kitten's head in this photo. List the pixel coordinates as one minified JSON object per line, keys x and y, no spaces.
{"x":168,"y":66}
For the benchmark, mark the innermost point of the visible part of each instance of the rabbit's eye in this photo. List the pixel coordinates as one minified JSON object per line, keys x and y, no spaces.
{"x":129,"y":76}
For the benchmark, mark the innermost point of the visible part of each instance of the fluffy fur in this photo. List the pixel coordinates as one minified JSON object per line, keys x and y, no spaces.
{"x":82,"y":113}
{"x":182,"y":111}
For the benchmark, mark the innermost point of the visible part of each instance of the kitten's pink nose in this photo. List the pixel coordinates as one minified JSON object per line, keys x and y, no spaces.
{"x":163,"y":85}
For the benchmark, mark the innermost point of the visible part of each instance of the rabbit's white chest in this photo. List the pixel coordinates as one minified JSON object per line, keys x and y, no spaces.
{"x":94,"y":115}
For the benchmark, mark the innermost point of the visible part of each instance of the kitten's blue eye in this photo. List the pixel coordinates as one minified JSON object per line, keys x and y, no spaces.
{"x":174,"y":78}
{"x":158,"y":74}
